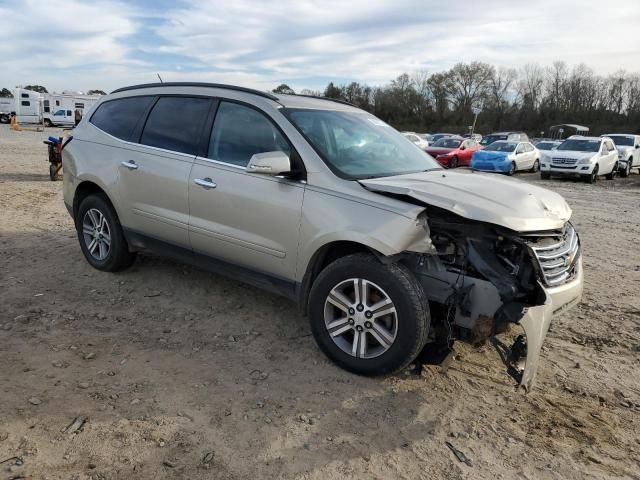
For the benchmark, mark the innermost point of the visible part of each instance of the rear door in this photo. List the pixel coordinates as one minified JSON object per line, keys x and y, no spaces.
{"x":247,"y":219}
{"x":154,"y":173}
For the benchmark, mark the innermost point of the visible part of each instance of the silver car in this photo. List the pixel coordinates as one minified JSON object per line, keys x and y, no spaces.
{"x":387,"y":253}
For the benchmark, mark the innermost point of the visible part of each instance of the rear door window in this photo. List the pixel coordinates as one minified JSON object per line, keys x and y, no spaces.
{"x":239,"y":132}
{"x":120,"y":117}
{"x":175,"y":123}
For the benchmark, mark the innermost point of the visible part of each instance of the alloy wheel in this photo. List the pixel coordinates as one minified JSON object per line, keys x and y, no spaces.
{"x":96,"y":234}
{"x":361,"y":318}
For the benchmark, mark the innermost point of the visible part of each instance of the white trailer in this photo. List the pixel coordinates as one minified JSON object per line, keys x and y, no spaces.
{"x":27,"y":106}
{"x":62,"y":108}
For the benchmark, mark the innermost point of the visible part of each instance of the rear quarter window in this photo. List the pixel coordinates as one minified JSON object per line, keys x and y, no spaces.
{"x":120,"y":117}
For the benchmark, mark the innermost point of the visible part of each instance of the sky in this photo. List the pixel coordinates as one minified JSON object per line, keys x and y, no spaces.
{"x":106,"y":44}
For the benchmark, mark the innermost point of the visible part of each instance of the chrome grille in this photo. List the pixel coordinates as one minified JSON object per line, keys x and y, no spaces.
{"x":557,"y":255}
{"x":563,"y":161}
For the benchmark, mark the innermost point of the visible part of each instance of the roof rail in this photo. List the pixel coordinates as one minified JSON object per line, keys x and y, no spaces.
{"x":198,"y":84}
{"x":344,"y":102}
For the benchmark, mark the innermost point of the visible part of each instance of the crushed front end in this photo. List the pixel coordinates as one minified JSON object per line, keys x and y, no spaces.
{"x":485,"y":278}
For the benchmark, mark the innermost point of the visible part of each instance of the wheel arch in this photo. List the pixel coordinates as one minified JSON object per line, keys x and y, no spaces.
{"x":324,"y":256}
{"x":86,"y":188}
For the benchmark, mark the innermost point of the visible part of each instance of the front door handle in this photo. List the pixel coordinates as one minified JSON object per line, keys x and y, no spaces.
{"x":131,"y":165}
{"x":207,"y":183}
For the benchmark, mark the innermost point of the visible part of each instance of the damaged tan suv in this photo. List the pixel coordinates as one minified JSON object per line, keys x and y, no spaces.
{"x":323,"y":203}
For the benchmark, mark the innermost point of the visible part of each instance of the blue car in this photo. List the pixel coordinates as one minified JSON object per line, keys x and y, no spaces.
{"x":506,"y":157}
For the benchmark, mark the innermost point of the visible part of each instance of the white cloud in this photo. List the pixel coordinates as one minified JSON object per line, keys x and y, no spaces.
{"x":259,"y":44}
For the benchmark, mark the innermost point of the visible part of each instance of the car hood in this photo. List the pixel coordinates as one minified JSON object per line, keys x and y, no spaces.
{"x":503,"y":201}
{"x":624,"y":149}
{"x":572,"y":154}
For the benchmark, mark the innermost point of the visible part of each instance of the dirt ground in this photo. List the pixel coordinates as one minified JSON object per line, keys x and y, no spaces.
{"x":184,"y":374}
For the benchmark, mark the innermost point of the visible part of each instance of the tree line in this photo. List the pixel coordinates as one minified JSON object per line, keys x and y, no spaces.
{"x":5,"y":92}
{"x":530,"y":98}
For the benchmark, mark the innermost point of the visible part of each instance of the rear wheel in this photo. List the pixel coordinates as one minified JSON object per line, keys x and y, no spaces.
{"x":611,"y":175}
{"x":47,"y":123}
{"x":53,"y":172}
{"x":593,"y":178}
{"x":100,"y":235}
{"x":368,"y":317}
{"x":536,"y":166}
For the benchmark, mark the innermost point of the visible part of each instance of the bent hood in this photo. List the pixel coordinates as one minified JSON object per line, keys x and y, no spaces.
{"x":503,"y":201}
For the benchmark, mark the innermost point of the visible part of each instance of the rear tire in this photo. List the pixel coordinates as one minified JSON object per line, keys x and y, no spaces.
{"x":53,"y":172}
{"x":536,"y":166}
{"x":611,"y":175}
{"x":100,"y":235}
{"x":47,"y":123}
{"x":405,"y":329}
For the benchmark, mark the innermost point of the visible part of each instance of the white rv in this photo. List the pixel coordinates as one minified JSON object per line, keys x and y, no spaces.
{"x":27,"y":105}
{"x":6,"y":107}
{"x":60,"y":108}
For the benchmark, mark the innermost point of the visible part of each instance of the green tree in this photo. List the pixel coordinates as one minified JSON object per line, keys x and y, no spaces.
{"x":96,"y":92}
{"x":333,"y":92}
{"x":5,"y":92}
{"x":284,"y":88}
{"x":36,"y":88}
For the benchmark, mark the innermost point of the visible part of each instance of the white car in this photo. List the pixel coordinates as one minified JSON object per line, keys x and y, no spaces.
{"x":628,"y":147}
{"x":416,"y":139}
{"x":587,"y":157}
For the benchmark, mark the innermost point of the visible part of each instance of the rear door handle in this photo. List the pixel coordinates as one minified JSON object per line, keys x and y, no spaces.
{"x":207,"y":183}
{"x":131,"y":165}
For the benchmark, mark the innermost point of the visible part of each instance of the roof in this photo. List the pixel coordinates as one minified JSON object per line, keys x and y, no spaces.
{"x":292,"y":101}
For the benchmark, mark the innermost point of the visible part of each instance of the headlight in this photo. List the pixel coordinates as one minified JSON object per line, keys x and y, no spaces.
{"x":585,"y":161}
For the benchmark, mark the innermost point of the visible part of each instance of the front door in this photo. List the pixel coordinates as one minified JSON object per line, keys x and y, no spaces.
{"x":250,"y":220}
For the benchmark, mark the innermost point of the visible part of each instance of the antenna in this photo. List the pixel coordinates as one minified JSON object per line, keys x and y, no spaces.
{"x":159,"y":77}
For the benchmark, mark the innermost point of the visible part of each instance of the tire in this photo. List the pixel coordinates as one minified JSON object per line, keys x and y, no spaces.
{"x":611,"y":175}
{"x":53,"y":172}
{"x":593,"y":178}
{"x":627,"y":171}
{"x":453,"y":163}
{"x":47,"y":123}
{"x":4,"y":119}
{"x":536,"y":166}
{"x":114,"y":257}
{"x":406,"y":328}
{"x":513,"y":169}
{"x":545,"y":175}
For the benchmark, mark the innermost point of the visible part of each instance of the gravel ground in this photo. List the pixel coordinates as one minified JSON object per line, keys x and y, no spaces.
{"x":184,"y":374}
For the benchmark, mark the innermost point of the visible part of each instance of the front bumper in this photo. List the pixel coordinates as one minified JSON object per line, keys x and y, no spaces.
{"x":578,"y":169}
{"x":501,"y":166}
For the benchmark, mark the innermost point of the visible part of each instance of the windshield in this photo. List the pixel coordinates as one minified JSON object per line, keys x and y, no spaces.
{"x":448,"y":143}
{"x":502,"y":147}
{"x":546,"y":145}
{"x":489,"y":139}
{"x":438,"y":136}
{"x":622,"y":141}
{"x":358,"y":145}
{"x":580,"y":145}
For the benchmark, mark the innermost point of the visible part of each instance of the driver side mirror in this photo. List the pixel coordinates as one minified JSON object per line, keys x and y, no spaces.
{"x":463,"y":147}
{"x":270,"y":163}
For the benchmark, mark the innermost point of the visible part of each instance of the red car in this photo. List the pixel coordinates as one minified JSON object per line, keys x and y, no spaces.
{"x":452,"y":152}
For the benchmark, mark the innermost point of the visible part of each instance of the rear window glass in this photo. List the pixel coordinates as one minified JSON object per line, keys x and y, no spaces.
{"x":120,"y":117}
{"x":175,"y":123}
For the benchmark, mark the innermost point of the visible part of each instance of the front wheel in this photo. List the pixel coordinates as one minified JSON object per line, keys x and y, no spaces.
{"x":53,"y":172}
{"x":627,"y":170}
{"x":611,"y":175}
{"x":47,"y":123}
{"x":593,"y":178}
{"x":368,"y":317}
{"x":453,"y":163}
{"x":100,"y":234}
{"x":512,"y":169}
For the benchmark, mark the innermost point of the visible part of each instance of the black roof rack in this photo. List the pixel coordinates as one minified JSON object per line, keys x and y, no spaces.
{"x":198,"y":84}
{"x":344,"y":102}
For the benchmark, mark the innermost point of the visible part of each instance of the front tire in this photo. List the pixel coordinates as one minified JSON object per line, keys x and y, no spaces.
{"x":368,"y":317}
{"x":627,"y":171}
{"x":100,"y":235}
{"x":593,"y":178}
{"x":453,"y":163}
{"x":512,"y":170}
{"x":47,"y":123}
